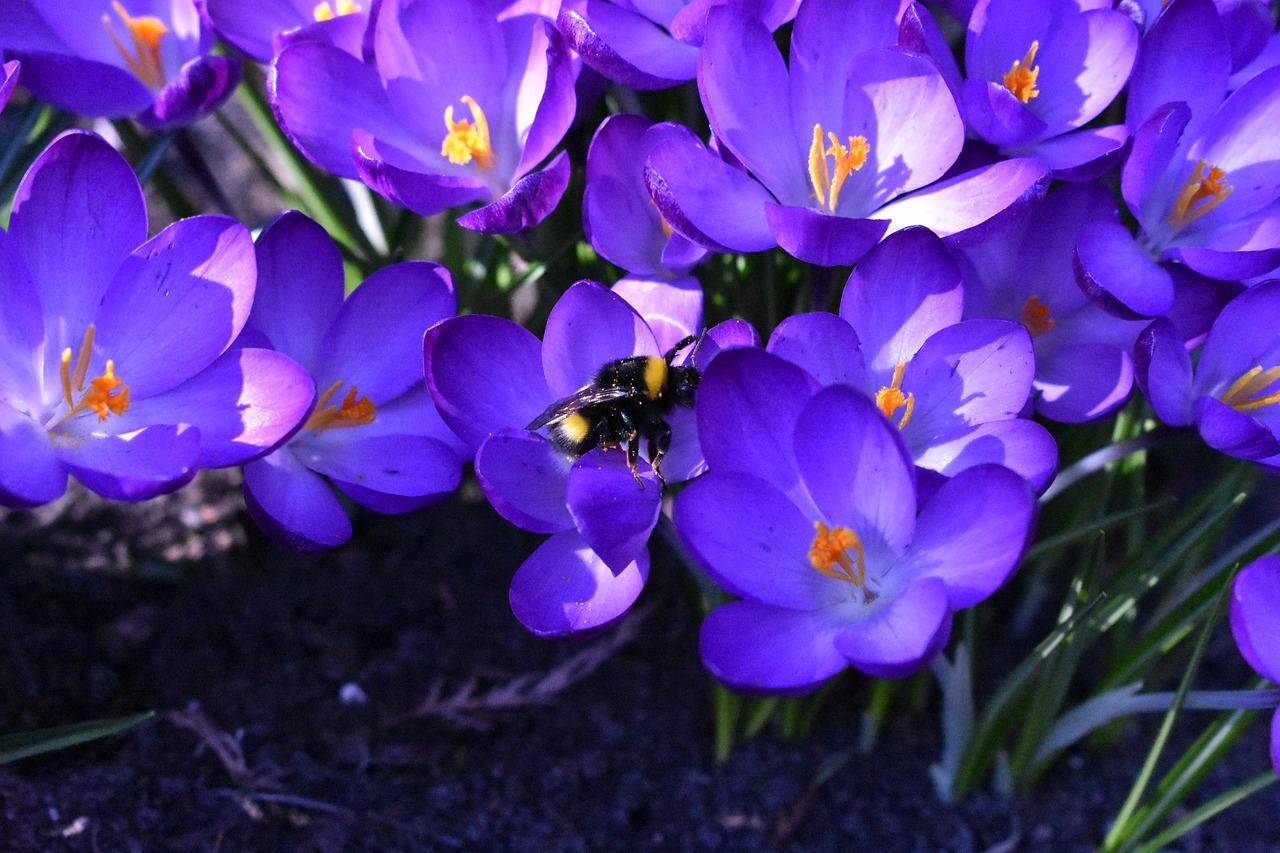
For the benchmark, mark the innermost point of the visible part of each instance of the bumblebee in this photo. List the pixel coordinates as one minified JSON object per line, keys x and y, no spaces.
{"x":628,"y":399}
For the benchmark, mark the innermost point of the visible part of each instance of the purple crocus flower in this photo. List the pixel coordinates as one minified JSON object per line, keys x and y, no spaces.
{"x":1255,"y":624}
{"x":143,"y":58}
{"x":114,"y":360}
{"x":652,"y":45}
{"x":809,"y":517}
{"x":261,"y":28}
{"x":373,"y":431}
{"x":1202,"y":178}
{"x":1041,"y":69}
{"x":490,"y":378}
{"x":451,"y":106}
{"x":1231,"y":393}
{"x":846,"y":143}
{"x":953,"y":389}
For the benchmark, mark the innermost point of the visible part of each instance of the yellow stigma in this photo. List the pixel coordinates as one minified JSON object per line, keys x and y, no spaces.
{"x":354,"y":411}
{"x":845,"y":158}
{"x":106,"y":394}
{"x":145,"y":32}
{"x":468,"y":140}
{"x":1243,"y":395}
{"x":1021,"y":79}
{"x":1201,"y":192}
{"x":890,"y":397}
{"x":1035,"y":316}
{"x":325,"y":12}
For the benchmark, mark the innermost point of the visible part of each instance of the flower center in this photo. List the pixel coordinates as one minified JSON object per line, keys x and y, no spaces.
{"x":1243,"y":395}
{"x":145,"y":32}
{"x":1035,"y":316}
{"x":354,"y":411}
{"x":1021,"y":79}
{"x":105,"y":395}
{"x":845,"y":159}
{"x":1201,"y":192}
{"x":325,"y":12}
{"x":468,"y":140}
{"x":837,"y":553}
{"x":890,"y":397}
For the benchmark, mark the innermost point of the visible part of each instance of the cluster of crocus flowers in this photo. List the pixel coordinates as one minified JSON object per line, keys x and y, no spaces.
{"x":147,"y":59}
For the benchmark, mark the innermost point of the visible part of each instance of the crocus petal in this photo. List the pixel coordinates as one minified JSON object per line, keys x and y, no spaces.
{"x":671,"y":308}
{"x":707,"y":200}
{"x":614,"y":514}
{"x":1083,"y":382}
{"x":754,"y":646}
{"x":526,"y":204}
{"x":1163,"y":370}
{"x":822,"y":239}
{"x":424,"y":193}
{"x":178,"y":302}
{"x":300,"y":285}
{"x":199,"y":88}
{"x":1239,"y":142}
{"x":904,"y":290}
{"x":1244,"y":334}
{"x":135,"y":466}
{"x":1232,"y":432}
{"x":1168,"y":72}
{"x":78,"y":208}
{"x":974,"y":205}
{"x":374,"y":342}
{"x":1083,"y":155}
{"x":748,"y":403}
{"x":1145,"y":181}
{"x":856,"y":466}
{"x":404,"y":465}
{"x":626,"y":47}
{"x":81,"y":86}
{"x":1023,"y":446}
{"x":973,"y":552}
{"x":1113,"y":270}
{"x":564,"y":588}
{"x":484,"y":373}
{"x":978,"y":370}
{"x":824,"y":345}
{"x":753,"y":541}
{"x":589,"y":327}
{"x":556,"y":99}
{"x":998,"y":115}
{"x":8,"y":80}
{"x":526,"y":478}
{"x":1255,"y":619}
{"x":31,"y":474}
{"x":293,"y":505}
{"x":902,"y":635}
{"x":245,"y":403}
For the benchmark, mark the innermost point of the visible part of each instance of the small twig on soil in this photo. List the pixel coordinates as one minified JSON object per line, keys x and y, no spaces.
{"x":462,"y":706}
{"x":225,"y":745}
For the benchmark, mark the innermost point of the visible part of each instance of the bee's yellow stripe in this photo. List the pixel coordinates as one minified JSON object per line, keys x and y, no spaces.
{"x":575,"y":427}
{"x":655,"y":376}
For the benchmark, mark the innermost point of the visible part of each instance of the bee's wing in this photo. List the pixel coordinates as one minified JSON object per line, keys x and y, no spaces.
{"x":587,"y":396}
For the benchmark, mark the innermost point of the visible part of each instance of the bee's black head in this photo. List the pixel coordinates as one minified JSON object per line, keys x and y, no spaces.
{"x":683,"y":384}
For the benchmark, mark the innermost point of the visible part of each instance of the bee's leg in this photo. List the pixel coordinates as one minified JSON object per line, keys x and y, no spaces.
{"x":659,"y":443}
{"x":632,"y":434}
{"x":671,"y":353}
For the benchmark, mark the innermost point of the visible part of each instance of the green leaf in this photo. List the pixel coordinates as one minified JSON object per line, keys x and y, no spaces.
{"x":23,"y":744}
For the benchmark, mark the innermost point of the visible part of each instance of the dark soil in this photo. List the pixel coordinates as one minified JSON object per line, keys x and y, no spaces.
{"x":285,"y":688}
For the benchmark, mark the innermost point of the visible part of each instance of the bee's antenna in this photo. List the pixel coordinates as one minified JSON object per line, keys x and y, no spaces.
{"x":696,"y":340}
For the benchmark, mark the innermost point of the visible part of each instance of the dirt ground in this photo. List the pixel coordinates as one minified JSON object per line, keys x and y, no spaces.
{"x":382,"y":698}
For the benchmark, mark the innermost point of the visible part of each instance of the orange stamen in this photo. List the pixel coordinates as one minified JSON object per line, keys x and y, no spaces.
{"x":1243,"y":393}
{"x":145,"y":32}
{"x":1035,"y":316}
{"x":1021,"y":79}
{"x":468,"y":140}
{"x":354,"y":410}
{"x":106,"y":394}
{"x":846,"y":159}
{"x":1201,"y":192}
{"x":829,"y":554}
{"x":325,"y":12}
{"x":890,"y":397}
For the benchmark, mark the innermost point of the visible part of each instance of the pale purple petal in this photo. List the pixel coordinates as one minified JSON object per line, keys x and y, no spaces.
{"x":564,"y":588}
{"x":484,"y":373}
{"x":824,"y":345}
{"x":293,"y":505}
{"x":526,"y":478}
{"x":1240,"y":141}
{"x":31,"y":473}
{"x":1119,"y":275}
{"x":422,"y":192}
{"x":403,"y":465}
{"x":138,"y":465}
{"x":1167,"y":71}
{"x":820,"y":238}
{"x":998,"y":115}
{"x":1083,"y":382}
{"x":1023,"y":446}
{"x":589,"y":327}
{"x":856,"y":466}
{"x":626,"y":47}
{"x":672,"y":308}
{"x":978,"y":370}
{"x":974,"y":553}
{"x":753,"y":646}
{"x":901,"y":635}
{"x":557,"y":100}
{"x":613,"y":513}
{"x":177,"y":302}
{"x":1083,"y":155}
{"x":904,"y":290}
